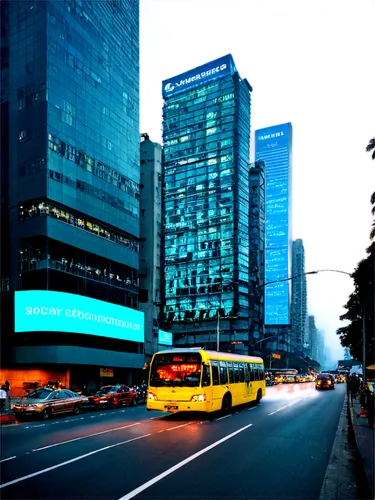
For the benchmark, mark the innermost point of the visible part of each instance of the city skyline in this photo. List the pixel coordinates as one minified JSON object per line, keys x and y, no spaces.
{"x":308,"y":84}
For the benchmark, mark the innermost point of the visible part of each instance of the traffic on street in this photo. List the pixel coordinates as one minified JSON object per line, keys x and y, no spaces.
{"x":277,"y":449}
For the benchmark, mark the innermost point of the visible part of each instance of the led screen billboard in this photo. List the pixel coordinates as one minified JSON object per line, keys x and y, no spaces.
{"x":47,"y":311}
{"x":273,"y":146}
{"x":212,"y":70}
{"x":165,"y":338}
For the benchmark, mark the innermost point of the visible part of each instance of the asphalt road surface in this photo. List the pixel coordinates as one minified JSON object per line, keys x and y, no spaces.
{"x":277,"y":450}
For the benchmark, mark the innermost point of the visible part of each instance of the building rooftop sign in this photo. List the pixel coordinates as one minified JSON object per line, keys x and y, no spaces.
{"x":198,"y":76}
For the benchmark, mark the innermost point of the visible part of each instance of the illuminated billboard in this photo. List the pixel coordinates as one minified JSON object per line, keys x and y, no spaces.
{"x":165,"y":338}
{"x":47,"y":311}
{"x":197,"y":76}
{"x":273,"y":145}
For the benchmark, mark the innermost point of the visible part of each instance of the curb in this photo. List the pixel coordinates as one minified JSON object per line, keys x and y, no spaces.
{"x":370,"y":489}
{"x":340,"y":481}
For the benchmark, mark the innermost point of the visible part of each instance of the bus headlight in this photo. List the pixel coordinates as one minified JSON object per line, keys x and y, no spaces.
{"x":152,"y":396}
{"x":198,"y":397}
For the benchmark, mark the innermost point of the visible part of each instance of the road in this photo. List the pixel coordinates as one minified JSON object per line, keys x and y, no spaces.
{"x":277,"y":450}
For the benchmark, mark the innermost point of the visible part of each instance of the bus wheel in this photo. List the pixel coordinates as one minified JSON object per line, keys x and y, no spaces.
{"x":227,"y":402}
{"x":259,"y":396}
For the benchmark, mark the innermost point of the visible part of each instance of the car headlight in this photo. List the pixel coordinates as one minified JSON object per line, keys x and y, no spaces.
{"x":329,"y":382}
{"x":152,"y":396}
{"x":198,"y":397}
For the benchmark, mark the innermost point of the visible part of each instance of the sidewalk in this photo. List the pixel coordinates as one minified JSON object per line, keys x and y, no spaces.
{"x":365,"y":440}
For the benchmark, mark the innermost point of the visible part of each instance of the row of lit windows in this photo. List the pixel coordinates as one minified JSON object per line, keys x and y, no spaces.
{"x":47,"y":209}
{"x":94,"y":191}
{"x":94,"y":166}
{"x":226,"y":372}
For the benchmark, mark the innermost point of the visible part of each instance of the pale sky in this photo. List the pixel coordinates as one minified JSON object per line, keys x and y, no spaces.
{"x":310,"y":63}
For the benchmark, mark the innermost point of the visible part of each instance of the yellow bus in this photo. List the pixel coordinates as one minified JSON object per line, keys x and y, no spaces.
{"x":194,"y":379}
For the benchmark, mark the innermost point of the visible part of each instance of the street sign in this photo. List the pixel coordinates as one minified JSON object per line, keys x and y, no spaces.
{"x":106,"y":372}
{"x":277,"y":356}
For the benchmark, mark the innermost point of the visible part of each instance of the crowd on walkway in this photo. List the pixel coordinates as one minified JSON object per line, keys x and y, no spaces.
{"x":365,"y":393}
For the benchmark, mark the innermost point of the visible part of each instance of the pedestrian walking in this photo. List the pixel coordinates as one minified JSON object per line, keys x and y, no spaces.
{"x":3,"y":398}
{"x":9,"y":394}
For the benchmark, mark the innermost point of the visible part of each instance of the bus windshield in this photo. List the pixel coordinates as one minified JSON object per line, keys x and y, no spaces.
{"x":176,"y":370}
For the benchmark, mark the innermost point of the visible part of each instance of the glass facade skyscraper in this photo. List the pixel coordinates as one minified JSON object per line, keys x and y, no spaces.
{"x":273,"y":145}
{"x":70,"y":149}
{"x":206,"y":128}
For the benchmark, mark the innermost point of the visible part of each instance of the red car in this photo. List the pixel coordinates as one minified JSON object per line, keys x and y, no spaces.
{"x":113,"y":396}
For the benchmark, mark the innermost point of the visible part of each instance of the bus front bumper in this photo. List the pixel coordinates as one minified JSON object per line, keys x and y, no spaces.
{"x":176,"y":406}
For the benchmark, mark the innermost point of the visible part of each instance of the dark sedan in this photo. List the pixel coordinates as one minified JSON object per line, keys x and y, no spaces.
{"x":113,"y":396}
{"x":325,"y":381}
{"x":45,"y":402}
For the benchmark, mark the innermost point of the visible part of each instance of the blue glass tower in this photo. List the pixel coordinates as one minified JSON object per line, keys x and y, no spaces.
{"x":206,"y":127}
{"x":273,"y":145}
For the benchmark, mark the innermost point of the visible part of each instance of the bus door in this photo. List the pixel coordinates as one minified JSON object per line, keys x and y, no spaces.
{"x":251,"y":386}
{"x":217,"y":391}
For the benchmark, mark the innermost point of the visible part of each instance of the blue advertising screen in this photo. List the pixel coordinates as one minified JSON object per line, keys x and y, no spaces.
{"x":197,"y":76}
{"x":273,"y":145}
{"x":165,"y":338}
{"x":46,"y":311}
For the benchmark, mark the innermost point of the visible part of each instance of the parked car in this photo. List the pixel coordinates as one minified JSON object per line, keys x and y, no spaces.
{"x":46,"y":402}
{"x":113,"y":396}
{"x":325,"y":381}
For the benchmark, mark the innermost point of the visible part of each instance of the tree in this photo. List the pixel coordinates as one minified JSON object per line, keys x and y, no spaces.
{"x":360,"y":302}
{"x":371,"y":147}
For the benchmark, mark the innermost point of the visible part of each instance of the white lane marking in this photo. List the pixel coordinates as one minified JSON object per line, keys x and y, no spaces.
{"x":23,"y":478}
{"x":178,"y":426}
{"x":286,"y":406}
{"x":6,"y":459}
{"x":153,"y":418}
{"x":67,"y":421}
{"x":35,"y":426}
{"x":93,"y":416}
{"x":249,"y":409}
{"x":221,"y":418}
{"x":156,"y":479}
{"x":85,"y":437}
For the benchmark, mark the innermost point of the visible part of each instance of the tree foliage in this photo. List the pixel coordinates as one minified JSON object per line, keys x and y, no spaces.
{"x":361,"y":302}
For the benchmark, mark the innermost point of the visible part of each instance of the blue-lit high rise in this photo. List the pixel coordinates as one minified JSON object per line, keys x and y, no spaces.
{"x":70,"y":184}
{"x":273,"y":145}
{"x":206,"y":128}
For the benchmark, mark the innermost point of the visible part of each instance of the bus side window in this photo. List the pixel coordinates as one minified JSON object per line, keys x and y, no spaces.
{"x":215,"y":373}
{"x":223,"y":373}
{"x":252,"y":375}
{"x":206,"y":376}
{"x":247,"y":372}
{"x":261,"y":372}
{"x":236,"y":373}
{"x":230,"y":371}
{"x":256,"y":372}
{"x":242,"y":372}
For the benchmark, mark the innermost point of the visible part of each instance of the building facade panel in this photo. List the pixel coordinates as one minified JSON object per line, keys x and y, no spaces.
{"x":273,"y":145}
{"x":206,"y":127}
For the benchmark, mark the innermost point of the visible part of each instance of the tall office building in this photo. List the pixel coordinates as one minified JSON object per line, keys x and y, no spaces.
{"x":256,"y":252}
{"x":320,"y":347}
{"x":313,"y":334}
{"x":299,"y":296}
{"x":273,"y":145}
{"x":150,"y":265}
{"x":206,"y":128}
{"x":70,"y":191}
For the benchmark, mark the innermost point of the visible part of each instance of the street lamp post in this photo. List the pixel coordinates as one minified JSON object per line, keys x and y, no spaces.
{"x":324,"y":271}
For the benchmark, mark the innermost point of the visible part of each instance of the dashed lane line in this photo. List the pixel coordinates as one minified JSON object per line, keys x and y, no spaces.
{"x":221,"y":418}
{"x":85,"y":437}
{"x":286,"y":406}
{"x":156,"y":479}
{"x":6,"y":459}
{"x":23,"y":478}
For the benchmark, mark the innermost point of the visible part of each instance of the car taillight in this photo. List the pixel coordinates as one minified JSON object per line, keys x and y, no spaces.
{"x":329,"y":382}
